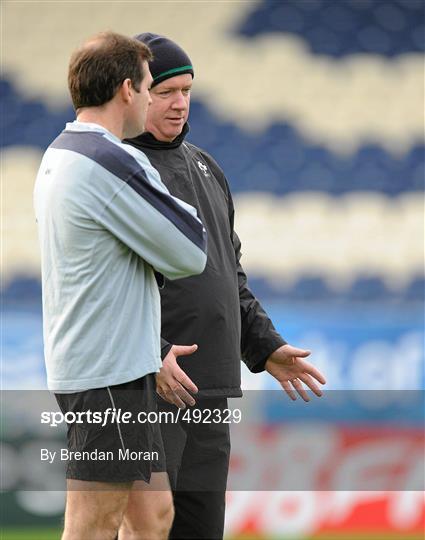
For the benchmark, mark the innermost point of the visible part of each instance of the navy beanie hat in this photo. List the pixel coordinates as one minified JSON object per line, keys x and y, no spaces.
{"x":169,"y":59}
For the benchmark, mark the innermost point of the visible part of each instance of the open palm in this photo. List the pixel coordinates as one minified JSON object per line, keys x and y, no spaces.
{"x":288,"y":367}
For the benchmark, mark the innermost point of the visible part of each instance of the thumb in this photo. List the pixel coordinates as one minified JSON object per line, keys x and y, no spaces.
{"x":184,"y":350}
{"x":293,"y":351}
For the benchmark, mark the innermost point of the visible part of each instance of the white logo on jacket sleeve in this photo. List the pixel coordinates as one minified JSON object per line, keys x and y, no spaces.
{"x":203,"y":168}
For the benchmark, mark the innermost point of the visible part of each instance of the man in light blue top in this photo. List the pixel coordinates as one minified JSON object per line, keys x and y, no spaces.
{"x":109,"y":231}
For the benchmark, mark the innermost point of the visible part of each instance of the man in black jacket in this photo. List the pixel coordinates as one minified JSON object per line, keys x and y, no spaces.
{"x":216,"y":310}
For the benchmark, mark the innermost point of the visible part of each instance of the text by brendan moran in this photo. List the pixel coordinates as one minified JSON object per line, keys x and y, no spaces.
{"x":97,"y":455}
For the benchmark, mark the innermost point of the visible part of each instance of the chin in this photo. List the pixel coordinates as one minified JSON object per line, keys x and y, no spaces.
{"x":175,"y":132}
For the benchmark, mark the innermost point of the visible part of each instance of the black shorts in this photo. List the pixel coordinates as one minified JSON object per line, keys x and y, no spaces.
{"x":197,"y":456}
{"x":113,"y":448}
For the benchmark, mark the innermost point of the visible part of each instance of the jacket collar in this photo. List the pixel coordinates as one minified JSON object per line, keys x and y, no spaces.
{"x":147,"y":140}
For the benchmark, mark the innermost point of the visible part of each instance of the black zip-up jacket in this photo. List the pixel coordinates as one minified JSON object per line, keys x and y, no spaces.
{"x":216,"y":309}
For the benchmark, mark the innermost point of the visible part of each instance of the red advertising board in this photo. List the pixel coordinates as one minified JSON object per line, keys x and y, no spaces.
{"x":358,"y":479}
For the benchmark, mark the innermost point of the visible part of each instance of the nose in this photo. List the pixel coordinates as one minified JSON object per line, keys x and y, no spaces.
{"x":179,"y":102}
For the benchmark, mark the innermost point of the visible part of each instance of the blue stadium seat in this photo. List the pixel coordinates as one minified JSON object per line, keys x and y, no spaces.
{"x":368,"y":289}
{"x":415,"y":290}
{"x":342,"y":27}
{"x":277,"y":160}
{"x":29,"y":122}
{"x":22,"y":290}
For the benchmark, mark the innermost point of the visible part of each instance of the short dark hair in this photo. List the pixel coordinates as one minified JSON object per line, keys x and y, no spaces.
{"x":99,"y":67}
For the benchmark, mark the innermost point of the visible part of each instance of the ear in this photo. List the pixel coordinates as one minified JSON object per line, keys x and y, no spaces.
{"x":126,"y":90}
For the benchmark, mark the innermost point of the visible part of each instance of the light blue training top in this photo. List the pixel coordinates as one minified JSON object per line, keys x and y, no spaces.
{"x":105,"y":222}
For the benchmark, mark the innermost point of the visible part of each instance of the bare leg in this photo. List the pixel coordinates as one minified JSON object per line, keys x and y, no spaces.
{"x":94,"y":510}
{"x":149,"y":513}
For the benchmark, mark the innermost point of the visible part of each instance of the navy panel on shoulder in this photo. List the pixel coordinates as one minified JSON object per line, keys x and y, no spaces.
{"x":122,"y":165}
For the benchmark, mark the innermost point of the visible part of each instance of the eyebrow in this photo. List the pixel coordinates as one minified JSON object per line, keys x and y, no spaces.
{"x":164,"y":88}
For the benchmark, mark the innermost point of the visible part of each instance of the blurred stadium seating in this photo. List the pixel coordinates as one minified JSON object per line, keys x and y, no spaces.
{"x":345,"y":27}
{"x":294,"y":153}
{"x":314,"y":109}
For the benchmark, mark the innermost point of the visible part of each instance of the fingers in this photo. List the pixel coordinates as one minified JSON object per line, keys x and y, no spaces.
{"x":172,"y":398}
{"x":176,"y":395}
{"x":288,"y":389}
{"x":296,"y":383}
{"x":163,"y":395}
{"x":173,"y":384}
{"x":183,"y":383}
{"x":182,"y":395}
{"x":314,"y":372}
{"x":292,"y":377}
{"x":186,"y":382}
{"x":309,"y":381}
{"x":179,"y":397}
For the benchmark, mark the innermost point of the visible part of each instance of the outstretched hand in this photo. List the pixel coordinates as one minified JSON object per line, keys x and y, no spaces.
{"x":287,"y":365}
{"x":172,"y":383}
